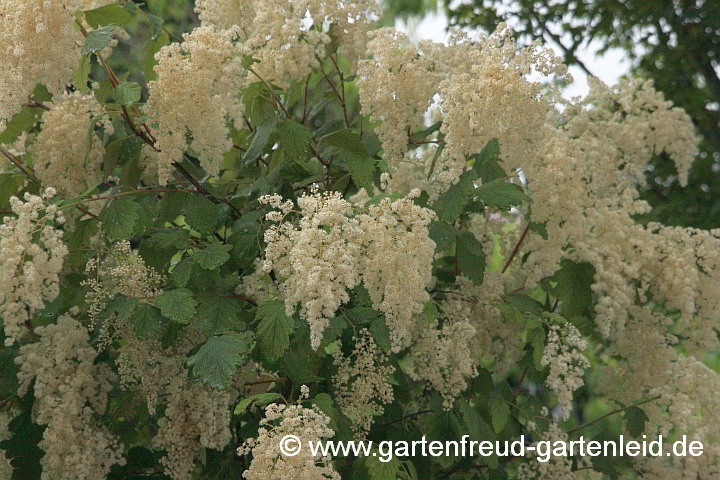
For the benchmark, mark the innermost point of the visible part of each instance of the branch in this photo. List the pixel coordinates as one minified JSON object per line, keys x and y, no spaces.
{"x":517,"y":248}
{"x":601,"y":417}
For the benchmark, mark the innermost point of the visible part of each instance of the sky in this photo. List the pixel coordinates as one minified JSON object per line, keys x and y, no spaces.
{"x":609,"y":67}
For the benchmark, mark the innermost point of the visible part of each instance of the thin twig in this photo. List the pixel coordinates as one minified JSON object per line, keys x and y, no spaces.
{"x":517,"y":248}
{"x":614,"y":412}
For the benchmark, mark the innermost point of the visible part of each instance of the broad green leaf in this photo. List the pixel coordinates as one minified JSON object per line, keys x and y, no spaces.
{"x":499,"y":413}
{"x":294,"y":138}
{"x":178,"y":305}
{"x":260,"y":400}
{"x":274,"y":329}
{"x":470,"y":257}
{"x":10,"y":185}
{"x":635,"y":419}
{"x":122,"y":306}
{"x":573,"y":287}
{"x":501,"y":194}
{"x":334,"y":330}
{"x":487,"y":163}
{"x":451,"y":203}
{"x":22,"y":445}
{"x":201,"y":213}
{"x":98,"y":39}
{"x":153,"y":46}
{"x":216,"y":360}
{"x":443,"y":234}
{"x":361,"y":168}
{"x":120,"y":218}
{"x":113,"y":13}
{"x":378,"y":470}
{"x":21,"y":122}
{"x":81,"y":74}
{"x":380,"y":333}
{"x":212,"y":256}
{"x":128,"y":93}
{"x":260,"y":140}
{"x":217,"y":313}
{"x":524,"y":303}
{"x":175,"y":238}
{"x":147,"y":320}
{"x":344,"y":140}
{"x":180,"y":273}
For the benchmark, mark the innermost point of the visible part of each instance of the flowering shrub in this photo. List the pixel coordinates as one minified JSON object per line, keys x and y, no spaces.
{"x":294,"y":223}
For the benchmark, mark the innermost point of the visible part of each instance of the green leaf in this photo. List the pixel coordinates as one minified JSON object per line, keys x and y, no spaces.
{"x":21,"y":122}
{"x":443,"y":234}
{"x":122,"y":306}
{"x":201,"y":213}
{"x":344,"y":140}
{"x":499,"y":413}
{"x":216,"y":360}
{"x":216,"y":313}
{"x":10,"y":185}
{"x":175,"y":238}
{"x":81,"y":74}
{"x":98,"y":39}
{"x":573,"y":287}
{"x":635,"y":420}
{"x":294,"y":138}
{"x":274,"y":329}
{"x":361,"y":168}
{"x":501,"y":194}
{"x":451,"y":203}
{"x":212,"y":256}
{"x":120,"y":218}
{"x":180,"y":274}
{"x":380,"y":333}
{"x":487,"y":163}
{"x":153,"y":46}
{"x":147,"y":320}
{"x":128,"y":93}
{"x":178,"y":305}
{"x":108,"y":14}
{"x":260,"y":140}
{"x":470,"y":257}
{"x":334,"y":330}
{"x":260,"y":400}
{"x":378,"y":470}
{"x":22,"y":447}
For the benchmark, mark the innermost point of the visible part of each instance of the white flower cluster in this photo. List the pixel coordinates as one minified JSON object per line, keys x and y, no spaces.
{"x":479,"y":90}
{"x":197,"y":87}
{"x":70,"y":391}
{"x":442,"y":357}
{"x":38,"y":44}
{"x":195,"y":418}
{"x":122,"y":271}
{"x":613,"y":133}
{"x":557,"y":467}
{"x":31,"y":258}
{"x":361,"y":383}
{"x":332,"y":250}
{"x":289,"y":39}
{"x":67,"y":154}
{"x":309,"y":425}
{"x":495,"y":99}
{"x":397,"y":85}
{"x":564,"y":355}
